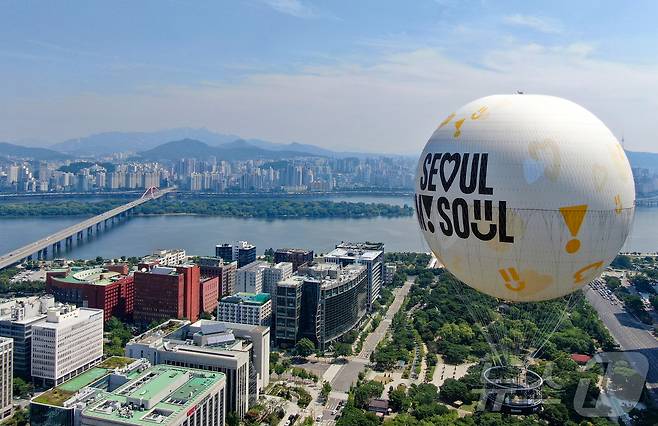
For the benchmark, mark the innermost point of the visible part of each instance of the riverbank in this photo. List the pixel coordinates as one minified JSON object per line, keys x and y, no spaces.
{"x":244,"y":208}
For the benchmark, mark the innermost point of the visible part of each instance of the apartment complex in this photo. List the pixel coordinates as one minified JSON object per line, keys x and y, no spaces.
{"x":237,"y":350}
{"x":6,"y":376}
{"x":67,"y":343}
{"x":164,"y":292}
{"x":98,"y":288}
{"x":322,"y":302}
{"x":295,"y":256}
{"x":161,"y":394}
{"x":369,"y":254}
{"x":246,"y":308}
{"x":249,"y":278}
{"x":17,"y":316}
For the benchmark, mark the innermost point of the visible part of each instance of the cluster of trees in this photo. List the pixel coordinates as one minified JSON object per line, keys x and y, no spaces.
{"x":117,"y":335}
{"x":267,"y":208}
{"x":76,"y":166}
{"x":58,"y":208}
{"x":18,"y":289}
{"x":408,"y":263}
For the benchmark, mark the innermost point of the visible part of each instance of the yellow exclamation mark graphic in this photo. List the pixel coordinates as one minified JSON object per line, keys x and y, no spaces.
{"x":573,"y":217}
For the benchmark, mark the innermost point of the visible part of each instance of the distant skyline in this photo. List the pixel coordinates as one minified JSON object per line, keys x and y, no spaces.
{"x":371,"y":76}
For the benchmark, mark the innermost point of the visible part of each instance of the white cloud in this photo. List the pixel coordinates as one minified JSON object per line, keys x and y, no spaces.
{"x":537,"y":23}
{"x":291,"y":7}
{"x":391,"y":106}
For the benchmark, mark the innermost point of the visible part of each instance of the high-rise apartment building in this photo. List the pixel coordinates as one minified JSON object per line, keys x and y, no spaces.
{"x":249,"y":278}
{"x":68,"y":343}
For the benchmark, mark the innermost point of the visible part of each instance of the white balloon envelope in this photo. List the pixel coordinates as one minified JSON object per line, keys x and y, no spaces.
{"x":524,"y":197}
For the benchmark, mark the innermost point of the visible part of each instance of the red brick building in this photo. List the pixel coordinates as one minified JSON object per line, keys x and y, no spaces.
{"x":98,"y":288}
{"x":209,"y":294}
{"x":167,"y":292}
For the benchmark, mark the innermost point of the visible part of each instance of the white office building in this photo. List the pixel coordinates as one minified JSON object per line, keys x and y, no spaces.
{"x":6,"y":376}
{"x":246,"y":308}
{"x":68,"y":343}
{"x":274,"y":274}
{"x":249,"y":278}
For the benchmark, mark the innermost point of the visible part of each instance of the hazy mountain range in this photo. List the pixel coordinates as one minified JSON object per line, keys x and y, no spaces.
{"x":177,"y":143}
{"x":109,"y":142}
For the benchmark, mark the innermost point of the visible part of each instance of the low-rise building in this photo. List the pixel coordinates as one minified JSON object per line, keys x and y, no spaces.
{"x":67,"y":343}
{"x":164,"y":395}
{"x":246,"y":308}
{"x":63,"y":404}
{"x":163,"y":257}
{"x":240,"y":351}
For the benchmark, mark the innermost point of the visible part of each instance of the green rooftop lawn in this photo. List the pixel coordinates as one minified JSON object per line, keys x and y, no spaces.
{"x":54,"y":397}
{"x":116,"y":362}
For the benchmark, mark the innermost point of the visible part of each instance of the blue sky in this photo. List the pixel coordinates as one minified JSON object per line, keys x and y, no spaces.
{"x":368,"y":75}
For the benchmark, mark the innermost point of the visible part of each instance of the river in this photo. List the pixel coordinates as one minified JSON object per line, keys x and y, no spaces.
{"x":198,"y":234}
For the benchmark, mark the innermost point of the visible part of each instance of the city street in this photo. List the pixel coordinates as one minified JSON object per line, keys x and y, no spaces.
{"x":631,"y":334}
{"x":349,"y":372}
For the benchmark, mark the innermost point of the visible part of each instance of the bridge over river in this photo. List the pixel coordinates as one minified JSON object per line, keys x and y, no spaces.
{"x":39,"y":249}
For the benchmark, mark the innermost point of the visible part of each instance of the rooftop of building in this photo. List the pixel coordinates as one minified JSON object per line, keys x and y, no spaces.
{"x":161,"y":331}
{"x":294,"y":281}
{"x":256,"y":264}
{"x":354,"y":253}
{"x":63,"y":315}
{"x":294,"y":251}
{"x":364,"y":245}
{"x":60,"y":394}
{"x":247,"y":298}
{"x":90,"y":276}
{"x":160,"y":393}
{"x":25,"y":309}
